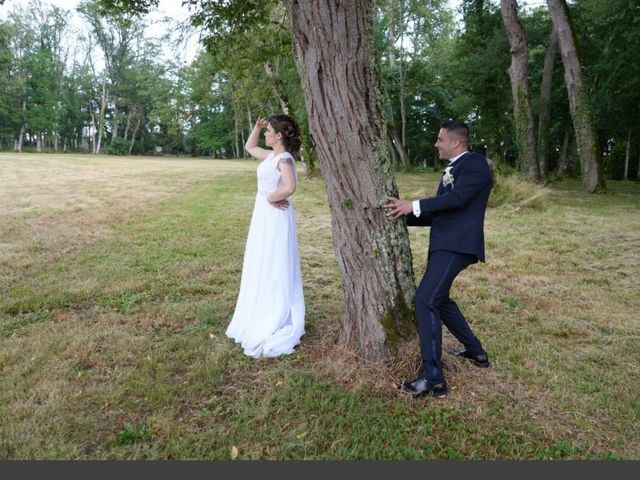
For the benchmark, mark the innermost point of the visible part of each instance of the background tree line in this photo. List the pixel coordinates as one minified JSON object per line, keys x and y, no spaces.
{"x":56,"y":96}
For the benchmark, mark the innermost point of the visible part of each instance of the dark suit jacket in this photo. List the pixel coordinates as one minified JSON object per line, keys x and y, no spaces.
{"x":456,"y":213}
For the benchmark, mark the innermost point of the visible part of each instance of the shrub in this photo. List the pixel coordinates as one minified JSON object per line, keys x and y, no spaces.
{"x":511,"y":190}
{"x":119,"y":146}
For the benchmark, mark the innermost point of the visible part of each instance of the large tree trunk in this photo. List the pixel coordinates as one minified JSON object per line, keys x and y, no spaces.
{"x":518,"y":72}
{"x":590,"y":157}
{"x":343,"y":97}
{"x":544,"y":125}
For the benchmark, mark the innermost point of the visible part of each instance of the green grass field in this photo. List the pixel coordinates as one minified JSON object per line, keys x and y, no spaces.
{"x":119,"y":276}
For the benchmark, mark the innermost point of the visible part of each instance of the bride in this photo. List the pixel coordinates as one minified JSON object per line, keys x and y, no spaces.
{"x":269,"y":316}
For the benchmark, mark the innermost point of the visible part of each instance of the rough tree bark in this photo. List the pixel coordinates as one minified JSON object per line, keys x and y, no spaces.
{"x":518,"y":72}
{"x":544,"y":125}
{"x":581,"y":113}
{"x":343,"y":97}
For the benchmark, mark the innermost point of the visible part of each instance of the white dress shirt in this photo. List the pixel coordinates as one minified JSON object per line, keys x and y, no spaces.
{"x":416,"y":203}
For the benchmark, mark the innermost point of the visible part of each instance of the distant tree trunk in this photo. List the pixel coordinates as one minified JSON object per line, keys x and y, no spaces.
{"x":564,"y":151}
{"x":583,"y":125}
{"x":638,"y":172}
{"x":286,"y":109}
{"x":249,"y":117}
{"x":572,"y":158}
{"x":343,"y":95}
{"x":397,"y":147}
{"x":519,"y":73}
{"x":115,"y":122}
{"x":23,"y":126}
{"x":392,"y":32}
{"x":402,"y":75}
{"x":93,"y":132}
{"x":20,"y":141}
{"x":130,"y":110}
{"x":277,"y":87}
{"x":544,"y":125}
{"x":397,"y":143}
{"x":101,"y":116}
{"x":237,"y":145}
{"x":135,"y":131}
{"x":38,"y":142}
{"x":626,"y":156}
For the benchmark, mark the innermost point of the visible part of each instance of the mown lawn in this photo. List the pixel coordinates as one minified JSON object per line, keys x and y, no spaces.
{"x":119,"y":276}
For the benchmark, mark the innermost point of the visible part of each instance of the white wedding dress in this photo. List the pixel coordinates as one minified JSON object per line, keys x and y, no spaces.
{"x":269,"y":316}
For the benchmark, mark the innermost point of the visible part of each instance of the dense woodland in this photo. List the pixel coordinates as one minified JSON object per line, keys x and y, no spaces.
{"x":105,"y":88}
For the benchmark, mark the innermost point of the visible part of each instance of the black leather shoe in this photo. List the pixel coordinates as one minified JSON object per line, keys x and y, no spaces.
{"x":421,"y":387}
{"x":481,"y":360}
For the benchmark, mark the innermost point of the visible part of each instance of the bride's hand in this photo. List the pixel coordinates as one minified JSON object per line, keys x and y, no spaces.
{"x":262,"y":123}
{"x":281,"y":204}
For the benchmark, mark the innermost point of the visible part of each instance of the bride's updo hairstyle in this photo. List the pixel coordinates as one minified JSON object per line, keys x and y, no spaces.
{"x":290,"y":131}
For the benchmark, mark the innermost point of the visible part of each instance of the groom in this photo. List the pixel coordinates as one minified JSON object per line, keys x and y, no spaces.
{"x":456,"y":240}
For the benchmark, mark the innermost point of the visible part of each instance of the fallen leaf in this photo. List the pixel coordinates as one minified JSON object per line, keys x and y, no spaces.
{"x":234,"y":452}
{"x":303,"y":434}
{"x":278,"y":383}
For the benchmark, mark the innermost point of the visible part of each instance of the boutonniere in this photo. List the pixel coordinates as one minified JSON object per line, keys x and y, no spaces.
{"x":447,"y":178}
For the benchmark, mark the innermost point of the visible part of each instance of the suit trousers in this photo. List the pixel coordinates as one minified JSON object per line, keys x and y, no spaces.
{"x":434,"y":308}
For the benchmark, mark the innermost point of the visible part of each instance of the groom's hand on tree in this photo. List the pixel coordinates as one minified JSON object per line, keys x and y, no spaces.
{"x":397,"y":208}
